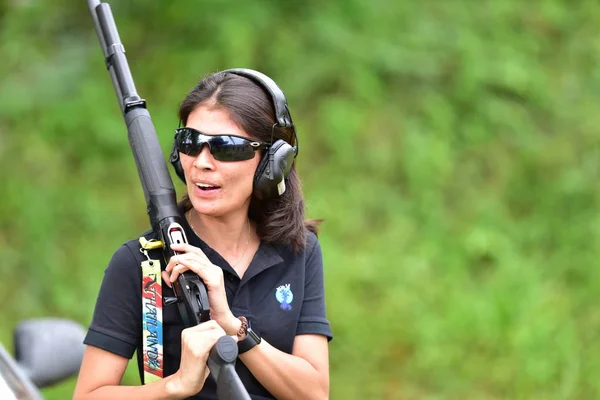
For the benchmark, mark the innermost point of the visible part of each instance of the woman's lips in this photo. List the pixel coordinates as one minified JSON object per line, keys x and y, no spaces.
{"x":206,"y":191}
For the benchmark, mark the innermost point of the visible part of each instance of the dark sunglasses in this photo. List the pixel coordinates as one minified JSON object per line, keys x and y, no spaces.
{"x":222,"y":147}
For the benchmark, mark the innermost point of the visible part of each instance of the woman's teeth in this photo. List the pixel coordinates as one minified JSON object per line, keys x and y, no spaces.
{"x":204,"y":186}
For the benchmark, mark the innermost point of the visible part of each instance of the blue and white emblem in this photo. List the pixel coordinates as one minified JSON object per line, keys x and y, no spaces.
{"x":284,"y":295}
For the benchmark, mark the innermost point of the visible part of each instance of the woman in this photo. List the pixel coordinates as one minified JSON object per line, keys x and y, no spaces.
{"x":259,"y":259}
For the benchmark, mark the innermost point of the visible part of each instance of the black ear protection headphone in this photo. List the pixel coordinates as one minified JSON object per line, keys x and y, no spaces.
{"x":269,"y":179}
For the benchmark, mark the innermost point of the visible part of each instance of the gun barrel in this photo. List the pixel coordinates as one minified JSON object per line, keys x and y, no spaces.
{"x":93,"y":6}
{"x":116,"y":61}
{"x":114,"y":53}
{"x":152,"y":170}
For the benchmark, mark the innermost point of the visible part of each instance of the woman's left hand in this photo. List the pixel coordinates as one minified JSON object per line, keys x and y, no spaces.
{"x":194,"y":259}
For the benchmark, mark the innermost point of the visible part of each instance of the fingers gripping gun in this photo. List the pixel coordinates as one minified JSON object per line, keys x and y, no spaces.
{"x":192,"y":297}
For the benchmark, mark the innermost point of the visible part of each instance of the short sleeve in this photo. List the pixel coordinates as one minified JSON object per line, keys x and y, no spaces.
{"x":116,"y":324}
{"x":313,"y":319}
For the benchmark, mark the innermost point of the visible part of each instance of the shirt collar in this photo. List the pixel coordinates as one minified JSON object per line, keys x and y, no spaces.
{"x":266,"y":257}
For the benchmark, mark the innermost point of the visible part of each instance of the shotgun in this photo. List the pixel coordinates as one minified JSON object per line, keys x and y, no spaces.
{"x":159,"y":192}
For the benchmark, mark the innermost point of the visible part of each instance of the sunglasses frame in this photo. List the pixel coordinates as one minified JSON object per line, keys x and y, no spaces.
{"x":256,"y":145}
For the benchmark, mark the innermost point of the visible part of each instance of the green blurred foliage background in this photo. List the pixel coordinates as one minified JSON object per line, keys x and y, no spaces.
{"x":451,"y":146}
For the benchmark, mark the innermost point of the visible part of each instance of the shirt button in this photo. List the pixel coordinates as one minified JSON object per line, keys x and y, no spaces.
{"x":230,"y":277}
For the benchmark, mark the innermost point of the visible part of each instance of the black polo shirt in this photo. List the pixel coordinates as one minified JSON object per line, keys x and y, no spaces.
{"x":281,"y":294}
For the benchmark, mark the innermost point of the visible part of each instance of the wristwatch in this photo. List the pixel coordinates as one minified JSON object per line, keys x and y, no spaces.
{"x":250,"y":338}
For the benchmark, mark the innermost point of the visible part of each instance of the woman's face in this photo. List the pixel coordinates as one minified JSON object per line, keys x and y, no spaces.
{"x":230,"y":183}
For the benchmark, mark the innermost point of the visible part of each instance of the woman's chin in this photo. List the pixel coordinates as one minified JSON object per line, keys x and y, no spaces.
{"x":209,"y":211}
{"x":217,"y":207}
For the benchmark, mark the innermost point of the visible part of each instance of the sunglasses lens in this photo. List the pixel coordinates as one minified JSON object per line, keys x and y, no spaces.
{"x":189,"y":143}
{"x":229,"y":148}
{"x":222,"y":147}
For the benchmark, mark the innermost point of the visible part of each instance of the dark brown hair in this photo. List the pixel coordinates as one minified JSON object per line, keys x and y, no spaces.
{"x":279,"y":220}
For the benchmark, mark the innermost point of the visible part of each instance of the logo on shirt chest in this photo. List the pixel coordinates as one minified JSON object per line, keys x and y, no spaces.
{"x":284,"y":296}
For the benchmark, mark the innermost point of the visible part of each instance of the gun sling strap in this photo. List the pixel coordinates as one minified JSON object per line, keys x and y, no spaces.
{"x":152,"y":303}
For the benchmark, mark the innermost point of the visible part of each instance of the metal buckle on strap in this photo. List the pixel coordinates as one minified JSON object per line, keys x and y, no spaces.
{"x":150,"y":244}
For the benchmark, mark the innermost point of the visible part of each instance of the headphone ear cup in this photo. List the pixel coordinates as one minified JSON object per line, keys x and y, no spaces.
{"x":176,"y":163}
{"x":269,"y":179}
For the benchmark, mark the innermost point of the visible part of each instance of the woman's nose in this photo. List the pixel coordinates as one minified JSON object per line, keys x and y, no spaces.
{"x":204,"y":160}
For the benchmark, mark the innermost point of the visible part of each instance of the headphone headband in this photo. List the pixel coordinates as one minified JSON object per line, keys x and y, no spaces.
{"x":282,"y":113}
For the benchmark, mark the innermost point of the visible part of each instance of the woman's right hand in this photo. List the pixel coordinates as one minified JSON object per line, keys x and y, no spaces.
{"x":196,"y":343}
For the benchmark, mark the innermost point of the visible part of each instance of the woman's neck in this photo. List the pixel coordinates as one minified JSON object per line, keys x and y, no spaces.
{"x":228,"y":236}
